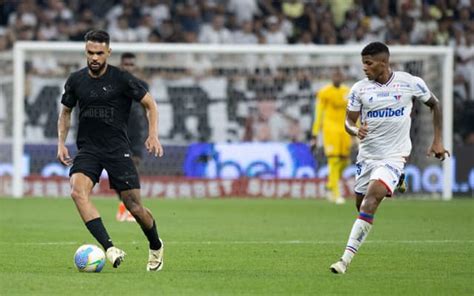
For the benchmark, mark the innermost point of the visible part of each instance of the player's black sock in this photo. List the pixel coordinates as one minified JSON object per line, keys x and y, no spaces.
{"x":152,"y":235}
{"x":96,"y":227}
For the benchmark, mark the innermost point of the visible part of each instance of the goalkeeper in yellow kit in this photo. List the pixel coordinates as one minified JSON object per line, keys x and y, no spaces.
{"x":330,"y":113}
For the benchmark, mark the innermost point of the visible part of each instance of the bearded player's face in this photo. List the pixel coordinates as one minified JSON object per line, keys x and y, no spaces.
{"x":97,"y":54}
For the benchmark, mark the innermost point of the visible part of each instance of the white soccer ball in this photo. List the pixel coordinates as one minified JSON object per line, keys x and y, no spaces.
{"x":89,"y":258}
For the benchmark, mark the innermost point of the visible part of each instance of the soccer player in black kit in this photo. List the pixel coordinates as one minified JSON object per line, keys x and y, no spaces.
{"x":104,"y":94}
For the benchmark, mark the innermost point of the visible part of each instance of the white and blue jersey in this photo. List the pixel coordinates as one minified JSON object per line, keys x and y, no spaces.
{"x":386,"y":108}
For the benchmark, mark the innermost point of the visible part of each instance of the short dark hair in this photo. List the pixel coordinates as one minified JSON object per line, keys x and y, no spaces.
{"x":127,"y":55}
{"x":375,"y":48}
{"x":100,"y":36}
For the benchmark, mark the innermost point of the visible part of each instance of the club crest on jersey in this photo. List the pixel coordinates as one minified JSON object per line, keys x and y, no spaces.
{"x":397,"y":97}
{"x":371,"y":99}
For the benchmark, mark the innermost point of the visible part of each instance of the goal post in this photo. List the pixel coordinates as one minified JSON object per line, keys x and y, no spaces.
{"x":233,"y":58}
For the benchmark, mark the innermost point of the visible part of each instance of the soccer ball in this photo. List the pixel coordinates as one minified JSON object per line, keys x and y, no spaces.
{"x":89,"y":258}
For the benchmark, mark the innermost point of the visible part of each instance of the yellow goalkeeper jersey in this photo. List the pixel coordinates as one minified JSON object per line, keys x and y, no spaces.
{"x":330,"y":110}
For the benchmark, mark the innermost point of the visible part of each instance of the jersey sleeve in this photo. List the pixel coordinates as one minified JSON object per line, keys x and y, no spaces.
{"x":354,"y":102}
{"x":69,"y":99}
{"x":134,"y":88}
{"x":420,"y":90}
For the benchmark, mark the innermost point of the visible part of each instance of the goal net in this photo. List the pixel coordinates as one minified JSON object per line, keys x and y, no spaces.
{"x":234,"y":120}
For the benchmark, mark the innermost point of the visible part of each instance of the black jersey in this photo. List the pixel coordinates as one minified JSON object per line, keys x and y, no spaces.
{"x":104,"y":107}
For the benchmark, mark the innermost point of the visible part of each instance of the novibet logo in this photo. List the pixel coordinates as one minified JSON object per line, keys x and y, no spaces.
{"x":387,"y":112}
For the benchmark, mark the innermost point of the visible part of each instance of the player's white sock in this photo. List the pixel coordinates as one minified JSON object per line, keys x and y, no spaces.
{"x":359,"y":232}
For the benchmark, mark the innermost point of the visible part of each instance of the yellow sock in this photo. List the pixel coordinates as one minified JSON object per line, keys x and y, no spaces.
{"x":343,"y":162}
{"x":333,"y":177}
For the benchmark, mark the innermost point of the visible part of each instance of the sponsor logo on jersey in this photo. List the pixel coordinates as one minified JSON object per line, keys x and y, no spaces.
{"x":383,"y":94}
{"x":387,"y":112}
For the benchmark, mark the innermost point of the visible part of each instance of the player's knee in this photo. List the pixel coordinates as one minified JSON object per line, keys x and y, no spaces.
{"x":369,"y":204}
{"x":78,"y":196}
{"x":134,"y":207}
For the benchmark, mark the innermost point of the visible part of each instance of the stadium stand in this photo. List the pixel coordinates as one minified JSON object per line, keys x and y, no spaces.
{"x":421,"y":22}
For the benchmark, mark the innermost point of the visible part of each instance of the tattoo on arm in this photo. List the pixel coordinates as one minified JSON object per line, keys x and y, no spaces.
{"x":64,"y":122}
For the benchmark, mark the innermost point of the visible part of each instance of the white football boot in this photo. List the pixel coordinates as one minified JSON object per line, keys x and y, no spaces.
{"x":339,"y":267}
{"x":155,"y":259}
{"x":115,"y":256}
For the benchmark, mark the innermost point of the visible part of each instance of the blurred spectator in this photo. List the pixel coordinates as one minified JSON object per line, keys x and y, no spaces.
{"x":159,"y":10}
{"x":121,"y":31}
{"x":245,"y":35}
{"x":168,"y":32}
{"x":292,"y":9}
{"x":57,"y":9}
{"x":465,"y":55}
{"x":145,"y":27}
{"x":442,"y":35}
{"x":400,"y":22}
{"x":25,"y":14}
{"x":215,"y":33}
{"x":210,"y":8}
{"x":306,"y":22}
{"x":378,"y":24}
{"x":424,"y":25}
{"x":47,"y":29}
{"x":274,"y":34}
{"x":189,"y":16}
{"x":244,"y":10}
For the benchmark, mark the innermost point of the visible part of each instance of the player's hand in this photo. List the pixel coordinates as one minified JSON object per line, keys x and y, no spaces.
{"x":437,"y":150}
{"x":153,"y":146}
{"x":363,"y":131}
{"x":63,"y":155}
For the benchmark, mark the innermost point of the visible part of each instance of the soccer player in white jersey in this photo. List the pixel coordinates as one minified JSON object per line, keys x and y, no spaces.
{"x":383,"y":103}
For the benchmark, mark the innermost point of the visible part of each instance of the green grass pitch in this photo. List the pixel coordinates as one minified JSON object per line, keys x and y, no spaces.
{"x":243,"y":247}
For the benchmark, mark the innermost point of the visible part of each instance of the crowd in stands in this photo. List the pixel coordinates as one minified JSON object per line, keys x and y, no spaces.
{"x":400,"y":22}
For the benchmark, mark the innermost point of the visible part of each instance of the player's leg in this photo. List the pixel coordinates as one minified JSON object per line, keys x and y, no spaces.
{"x":362,"y":225}
{"x":359,"y":199}
{"x":333,"y":179}
{"x":81,"y":188}
{"x":383,"y":180}
{"x":123,"y":215}
{"x":341,"y":165}
{"x":144,"y":217}
{"x":123,"y":177}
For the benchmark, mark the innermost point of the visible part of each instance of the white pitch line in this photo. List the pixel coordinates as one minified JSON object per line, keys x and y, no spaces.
{"x":289,"y":242}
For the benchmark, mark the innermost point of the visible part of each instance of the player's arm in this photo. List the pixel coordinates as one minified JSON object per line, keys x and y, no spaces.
{"x":152,"y":142}
{"x":437,"y":149}
{"x":318,"y":119}
{"x":351,"y":125}
{"x":64,"y":123}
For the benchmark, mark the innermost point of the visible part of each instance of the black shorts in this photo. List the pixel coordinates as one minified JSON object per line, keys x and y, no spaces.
{"x":121,"y":170}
